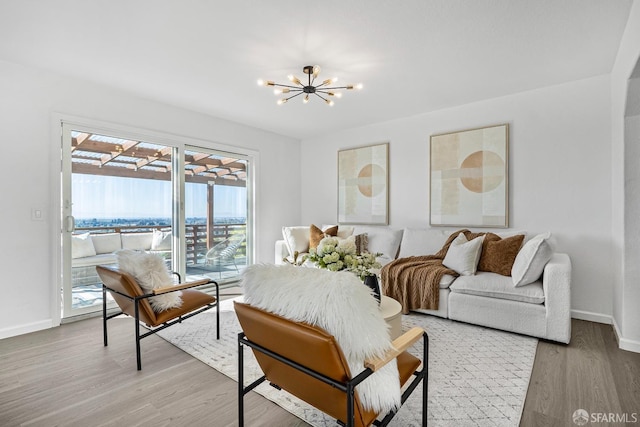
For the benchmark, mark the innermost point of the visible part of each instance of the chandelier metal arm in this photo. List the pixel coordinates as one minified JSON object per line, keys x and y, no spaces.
{"x":289,"y":86}
{"x":293,"y":96}
{"x":321,"y":97}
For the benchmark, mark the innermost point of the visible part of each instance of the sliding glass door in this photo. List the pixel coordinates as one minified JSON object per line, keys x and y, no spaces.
{"x":127,"y":193}
{"x":216,"y":214}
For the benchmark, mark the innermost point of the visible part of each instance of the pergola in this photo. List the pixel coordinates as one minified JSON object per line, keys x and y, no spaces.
{"x":95,"y":154}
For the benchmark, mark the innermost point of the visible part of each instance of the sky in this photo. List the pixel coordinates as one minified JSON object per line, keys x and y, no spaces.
{"x":96,"y":196}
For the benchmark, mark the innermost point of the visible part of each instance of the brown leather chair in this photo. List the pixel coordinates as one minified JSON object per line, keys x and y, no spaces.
{"x":132,"y":301}
{"x":307,"y":362}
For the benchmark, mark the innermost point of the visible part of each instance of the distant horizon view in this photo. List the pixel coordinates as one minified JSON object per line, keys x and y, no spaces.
{"x":111,"y":197}
{"x":121,"y":221}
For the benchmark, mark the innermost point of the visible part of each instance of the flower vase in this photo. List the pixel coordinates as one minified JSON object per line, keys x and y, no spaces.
{"x":372,"y":282}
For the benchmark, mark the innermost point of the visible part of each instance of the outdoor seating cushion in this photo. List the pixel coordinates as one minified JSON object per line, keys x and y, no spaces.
{"x":92,"y":261}
{"x":106,"y":243}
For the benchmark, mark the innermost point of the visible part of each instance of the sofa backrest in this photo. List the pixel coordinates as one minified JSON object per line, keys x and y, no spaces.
{"x":106,"y":243}
{"x":383,"y":240}
{"x":137,"y":241}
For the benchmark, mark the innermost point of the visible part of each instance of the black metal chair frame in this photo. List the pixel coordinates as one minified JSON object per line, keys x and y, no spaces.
{"x":348,"y":387}
{"x":136,"y":301}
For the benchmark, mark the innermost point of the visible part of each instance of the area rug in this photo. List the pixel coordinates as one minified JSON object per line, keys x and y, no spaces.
{"x":477,"y":376}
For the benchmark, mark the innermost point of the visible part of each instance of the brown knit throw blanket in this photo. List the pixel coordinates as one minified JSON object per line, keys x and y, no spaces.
{"x":415,"y":281}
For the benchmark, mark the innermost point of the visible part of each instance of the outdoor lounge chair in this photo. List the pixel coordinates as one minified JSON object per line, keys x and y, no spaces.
{"x":307,"y":362}
{"x":225,"y":251}
{"x":134,"y":302}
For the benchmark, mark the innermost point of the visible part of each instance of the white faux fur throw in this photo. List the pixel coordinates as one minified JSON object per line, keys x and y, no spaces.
{"x":151,"y":273}
{"x":339,"y":303}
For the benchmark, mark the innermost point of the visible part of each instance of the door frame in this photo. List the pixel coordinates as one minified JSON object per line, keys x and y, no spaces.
{"x":59,"y":246}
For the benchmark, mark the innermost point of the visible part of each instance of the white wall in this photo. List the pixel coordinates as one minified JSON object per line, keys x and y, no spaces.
{"x":28,"y":102}
{"x":560,"y":173}
{"x":626,"y":189}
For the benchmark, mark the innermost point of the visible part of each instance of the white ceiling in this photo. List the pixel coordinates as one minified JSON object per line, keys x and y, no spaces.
{"x":412,"y":56}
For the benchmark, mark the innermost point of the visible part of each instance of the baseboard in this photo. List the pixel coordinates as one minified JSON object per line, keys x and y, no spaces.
{"x":591,"y":317}
{"x":624,"y":343}
{"x":26,"y":328}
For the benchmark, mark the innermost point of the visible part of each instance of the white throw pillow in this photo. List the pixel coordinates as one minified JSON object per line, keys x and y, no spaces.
{"x":161,"y":240}
{"x":106,"y":243}
{"x":296,"y":238}
{"x":530,"y":261}
{"x":463,"y":255}
{"x":151,"y":273}
{"x":136,"y":241}
{"x":82,"y":246}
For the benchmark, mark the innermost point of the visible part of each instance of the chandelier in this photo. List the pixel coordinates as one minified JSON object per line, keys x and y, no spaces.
{"x":322,"y":90}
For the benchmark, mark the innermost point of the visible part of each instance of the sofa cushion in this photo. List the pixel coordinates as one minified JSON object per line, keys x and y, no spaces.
{"x":498,"y":254}
{"x":531,"y":259}
{"x":161,"y":240}
{"x":446,"y":281}
{"x":106,"y":243}
{"x":463,"y":255}
{"x":422,"y":241}
{"x":136,"y":241}
{"x":82,"y":246}
{"x":494,"y":285}
{"x":316,"y":234}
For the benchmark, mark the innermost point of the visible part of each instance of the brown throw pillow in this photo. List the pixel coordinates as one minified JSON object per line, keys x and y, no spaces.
{"x":499,"y":254}
{"x":315,"y":234}
{"x":362,"y":243}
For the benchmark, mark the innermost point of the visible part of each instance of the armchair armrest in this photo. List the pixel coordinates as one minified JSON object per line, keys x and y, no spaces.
{"x":281,"y":251}
{"x":167,"y":289}
{"x":400,"y":344}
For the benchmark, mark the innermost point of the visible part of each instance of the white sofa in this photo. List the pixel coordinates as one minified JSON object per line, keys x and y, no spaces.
{"x":380,"y":240}
{"x":541,"y":309}
{"x":89,"y":250}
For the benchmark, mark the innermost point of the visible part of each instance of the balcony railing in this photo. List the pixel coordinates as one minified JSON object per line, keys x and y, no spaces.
{"x":197,"y":240}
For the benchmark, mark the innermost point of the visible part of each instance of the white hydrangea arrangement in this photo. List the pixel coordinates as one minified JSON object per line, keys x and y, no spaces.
{"x":340,"y":254}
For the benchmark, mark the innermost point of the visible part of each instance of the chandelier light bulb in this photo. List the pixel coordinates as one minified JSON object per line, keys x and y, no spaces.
{"x":280,"y":91}
{"x":330,"y":102}
{"x":294,"y":79}
{"x":305,"y":99}
{"x":316,"y":70}
{"x":282,"y":101}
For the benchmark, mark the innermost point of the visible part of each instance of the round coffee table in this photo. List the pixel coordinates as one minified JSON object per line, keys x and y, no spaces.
{"x":392,"y":313}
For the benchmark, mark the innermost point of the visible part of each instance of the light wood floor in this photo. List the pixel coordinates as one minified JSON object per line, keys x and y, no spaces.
{"x":65,"y":377}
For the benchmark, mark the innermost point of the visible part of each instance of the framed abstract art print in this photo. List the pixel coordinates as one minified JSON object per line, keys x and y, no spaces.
{"x":363,"y":185}
{"x":469,"y":178}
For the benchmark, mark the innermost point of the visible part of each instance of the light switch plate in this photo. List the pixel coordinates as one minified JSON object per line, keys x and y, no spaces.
{"x":37,"y":214}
